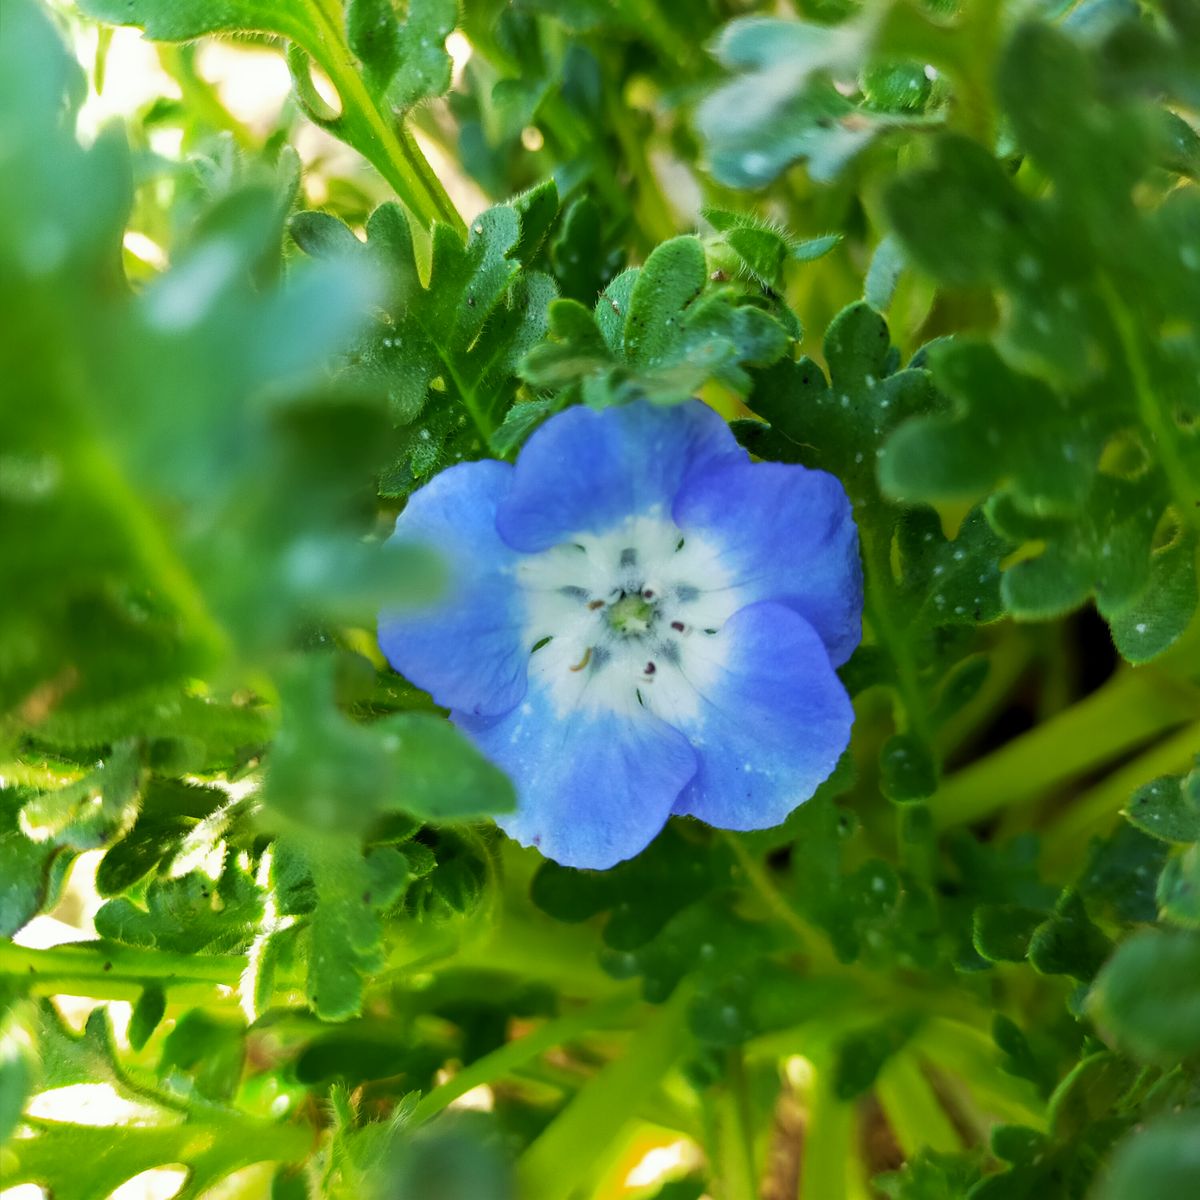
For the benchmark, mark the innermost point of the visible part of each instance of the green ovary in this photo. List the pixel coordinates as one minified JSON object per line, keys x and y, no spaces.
{"x":631,"y":615}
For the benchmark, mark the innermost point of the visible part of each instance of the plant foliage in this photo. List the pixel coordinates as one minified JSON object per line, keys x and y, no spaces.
{"x":948,"y":250}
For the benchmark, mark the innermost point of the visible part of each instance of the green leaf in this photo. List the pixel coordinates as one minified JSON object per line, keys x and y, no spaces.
{"x":67,"y":1058}
{"x":148,"y":1013}
{"x":191,"y":913}
{"x":373,"y":32}
{"x":784,"y":107}
{"x":18,"y":1075}
{"x":169,"y":811}
{"x":344,"y":892}
{"x":1076,"y":372}
{"x":408,"y":58}
{"x":1178,"y":892}
{"x":673,"y":277}
{"x":441,"y":776}
{"x":1120,"y":873}
{"x":660,"y":332}
{"x":1002,"y":933}
{"x":841,"y":425}
{"x":907,"y":769}
{"x":1168,"y":808}
{"x":1158,"y":1162}
{"x":1146,"y":999}
{"x":80,"y":1162}
{"x":26,"y":866}
{"x":1017,"y":1144}
{"x":329,"y":772}
{"x":1007,"y":427}
{"x":87,"y":813}
{"x":642,"y":894}
{"x":931,"y":1176}
{"x":763,"y":248}
{"x":1069,"y":943}
{"x":860,"y":1056}
{"x":1019,"y":1058}
{"x":887,"y":263}
{"x":583,"y":257}
{"x":182,"y":20}
{"x":446,"y":354}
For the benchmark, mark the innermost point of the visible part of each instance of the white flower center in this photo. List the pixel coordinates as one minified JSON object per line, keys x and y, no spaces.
{"x":626,"y":620}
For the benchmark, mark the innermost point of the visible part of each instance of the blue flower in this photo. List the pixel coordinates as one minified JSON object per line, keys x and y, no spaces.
{"x":641,"y":623}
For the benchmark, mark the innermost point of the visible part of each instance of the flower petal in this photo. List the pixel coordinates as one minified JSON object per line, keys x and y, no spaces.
{"x":772,"y":721}
{"x":783,"y":533}
{"x":469,"y":651}
{"x":593,"y":787}
{"x":585,"y":470}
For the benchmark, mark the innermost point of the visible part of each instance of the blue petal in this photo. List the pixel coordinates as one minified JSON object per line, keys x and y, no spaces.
{"x":593,"y":788}
{"x":584,"y":471}
{"x":468,"y":650}
{"x":787,"y":534}
{"x":771,"y":724}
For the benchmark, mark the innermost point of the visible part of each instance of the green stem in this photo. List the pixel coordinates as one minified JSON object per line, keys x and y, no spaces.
{"x":969,"y":1054}
{"x":515,"y":1054}
{"x":376,"y":133}
{"x":109,"y":971}
{"x":1095,"y":811}
{"x":820,"y":957}
{"x":177,"y":583}
{"x":881,"y":602}
{"x":741,"y":1174}
{"x":199,"y":96}
{"x":813,"y":943}
{"x":828,"y":1144}
{"x":1007,"y":664}
{"x":569,"y":1153}
{"x":657,"y":220}
{"x":913,"y":1110}
{"x":1185,"y":484}
{"x":1130,"y":710}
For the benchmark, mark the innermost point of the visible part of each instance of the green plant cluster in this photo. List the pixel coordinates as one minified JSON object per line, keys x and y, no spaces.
{"x":948,"y":251}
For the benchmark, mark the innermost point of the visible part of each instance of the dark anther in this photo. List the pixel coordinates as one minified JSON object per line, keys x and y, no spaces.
{"x":647,"y":593}
{"x":594,"y":604}
{"x":650,"y":668}
{"x":677,"y":626}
